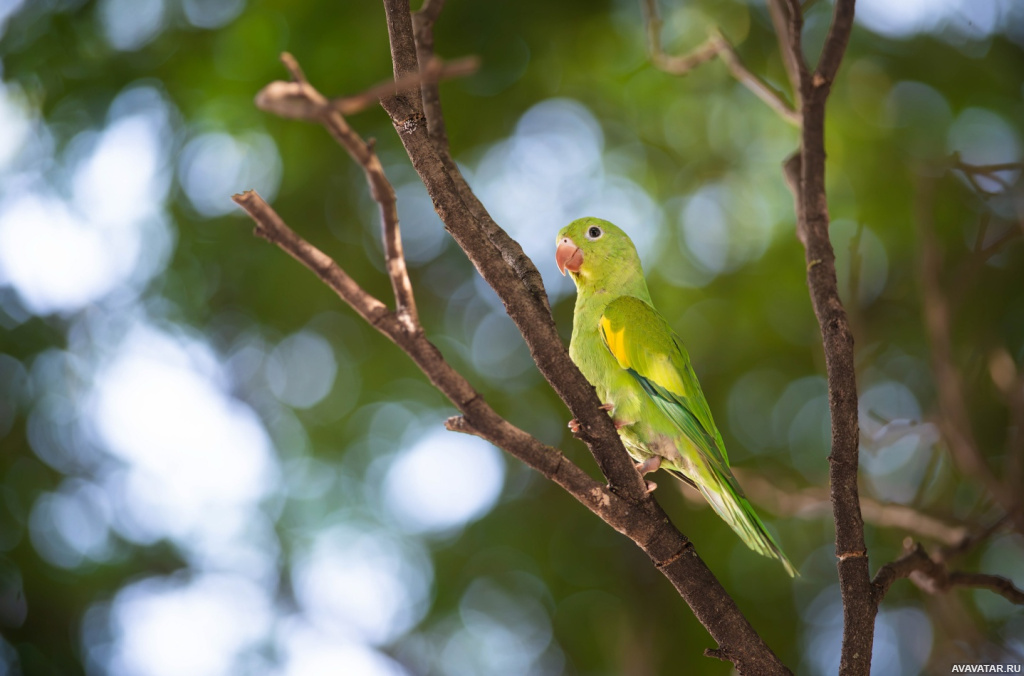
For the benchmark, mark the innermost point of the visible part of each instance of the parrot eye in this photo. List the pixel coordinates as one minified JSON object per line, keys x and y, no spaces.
{"x":594,"y":233}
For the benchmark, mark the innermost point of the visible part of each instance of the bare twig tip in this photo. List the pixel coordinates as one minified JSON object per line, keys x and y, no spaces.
{"x":292,"y":64}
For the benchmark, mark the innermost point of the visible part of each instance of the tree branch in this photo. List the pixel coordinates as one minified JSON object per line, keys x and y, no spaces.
{"x":624,"y":504}
{"x":787,"y":19}
{"x":813,"y":503}
{"x":805,"y":174}
{"x":990,"y":171}
{"x":933,"y":577}
{"x":270,"y":98}
{"x":510,"y":250}
{"x":715,"y":45}
{"x":500,"y":260}
{"x":423,"y":32}
{"x":479,"y":416}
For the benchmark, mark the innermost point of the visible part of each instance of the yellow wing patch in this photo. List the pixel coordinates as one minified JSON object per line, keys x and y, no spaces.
{"x":616,"y":342}
{"x":630,"y":355}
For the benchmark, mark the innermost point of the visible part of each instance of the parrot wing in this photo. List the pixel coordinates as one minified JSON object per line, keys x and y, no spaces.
{"x":644,"y":344}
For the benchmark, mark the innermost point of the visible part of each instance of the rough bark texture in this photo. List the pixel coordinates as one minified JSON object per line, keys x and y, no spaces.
{"x":414,"y":105}
{"x":805,"y":173}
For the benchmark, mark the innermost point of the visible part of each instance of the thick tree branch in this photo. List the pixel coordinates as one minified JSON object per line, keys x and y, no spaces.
{"x":933,"y":577}
{"x":423,"y":31}
{"x":478,"y":415}
{"x":805,"y":173}
{"x":715,"y":45}
{"x":624,"y":504}
{"x":466,"y":220}
{"x":512,"y":275}
{"x":645,"y":524}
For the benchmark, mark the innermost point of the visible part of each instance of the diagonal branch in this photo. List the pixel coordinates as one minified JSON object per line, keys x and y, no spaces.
{"x":500,"y":261}
{"x":759,"y":87}
{"x":295,"y":100}
{"x":548,"y":461}
{"x":270,"y":97}
{"x":624,"y":504}
{"x":715,"y":45}
{"x":423,"y":35}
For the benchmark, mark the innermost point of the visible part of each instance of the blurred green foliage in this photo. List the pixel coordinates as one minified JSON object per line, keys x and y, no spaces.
{"x":537,"y":585}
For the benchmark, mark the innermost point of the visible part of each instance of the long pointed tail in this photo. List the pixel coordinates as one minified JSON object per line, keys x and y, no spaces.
{"x":727,"y":499}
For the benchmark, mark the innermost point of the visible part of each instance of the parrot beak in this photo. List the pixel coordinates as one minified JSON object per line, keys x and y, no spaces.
{"x":568,"y":256}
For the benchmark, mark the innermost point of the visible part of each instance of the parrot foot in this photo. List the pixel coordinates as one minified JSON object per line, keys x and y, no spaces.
{"x":649,"y":465}
{"x":574,"y":424}
{"x":651,"y":486}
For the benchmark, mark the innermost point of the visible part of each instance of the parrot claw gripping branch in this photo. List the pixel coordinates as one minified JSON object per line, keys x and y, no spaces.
{"x":412,"y":101}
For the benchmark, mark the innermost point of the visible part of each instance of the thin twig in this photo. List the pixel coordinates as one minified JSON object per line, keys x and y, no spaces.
{"x":989,"y":171}
{"x":295,"y":99}
{"x":814,"y":503}
{"x":715,"y":45}
{"x":791,"y":59}
{"x":302,"y":96}
{"x":759,"y":87}
{"x":433,"y":72}
{"x":970,"y":541}
{"x":272,"y":228}
{"x":1009,"y":380}
{"x":624,"y":504}
{"x":955,"y":421}
{"x":547,"y":460}
{"x":997,"y":583}
{"x":835,"y":44}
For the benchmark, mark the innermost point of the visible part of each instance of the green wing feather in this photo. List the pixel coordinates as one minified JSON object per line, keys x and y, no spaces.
{"x":644,"y":344}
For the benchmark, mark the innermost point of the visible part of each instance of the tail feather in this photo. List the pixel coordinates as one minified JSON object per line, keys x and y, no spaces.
{"x":736,"y":510}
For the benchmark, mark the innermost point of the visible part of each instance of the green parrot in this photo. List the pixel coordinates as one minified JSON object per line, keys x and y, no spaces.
{"x":639,"y":367}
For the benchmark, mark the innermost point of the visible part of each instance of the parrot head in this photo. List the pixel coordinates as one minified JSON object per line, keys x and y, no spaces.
{"x":595,"y":252}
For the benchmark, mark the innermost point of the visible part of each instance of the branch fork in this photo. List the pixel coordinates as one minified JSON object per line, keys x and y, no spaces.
{"x":624,"y":504}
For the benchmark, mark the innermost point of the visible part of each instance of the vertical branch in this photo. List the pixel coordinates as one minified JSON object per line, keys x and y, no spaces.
{"x":805,"y":173}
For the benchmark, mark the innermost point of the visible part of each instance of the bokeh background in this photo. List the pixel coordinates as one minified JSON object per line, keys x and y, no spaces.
{"x":209,"y":466}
